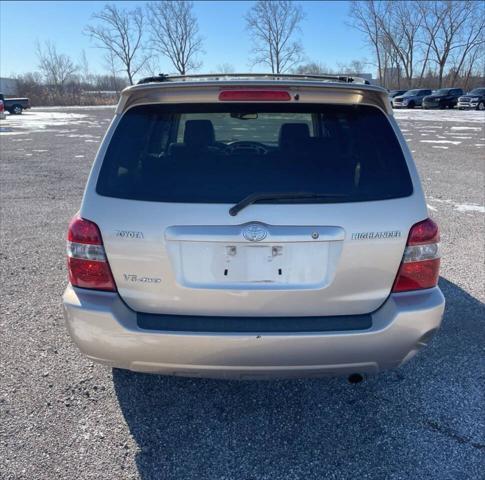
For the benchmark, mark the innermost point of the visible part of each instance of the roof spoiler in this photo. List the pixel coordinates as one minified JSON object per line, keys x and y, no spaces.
{"x":256,"y":76}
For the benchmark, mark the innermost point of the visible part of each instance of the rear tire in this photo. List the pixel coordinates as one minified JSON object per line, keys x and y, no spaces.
{"x":16,"y":109}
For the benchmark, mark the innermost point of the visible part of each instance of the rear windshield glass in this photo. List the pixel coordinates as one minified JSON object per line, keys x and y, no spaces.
{"x":221,"y":153}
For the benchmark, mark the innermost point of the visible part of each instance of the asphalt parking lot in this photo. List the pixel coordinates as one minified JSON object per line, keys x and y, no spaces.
{"x":63,"y":417}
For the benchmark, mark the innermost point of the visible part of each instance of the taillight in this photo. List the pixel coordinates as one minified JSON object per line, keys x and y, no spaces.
{"x":86,"y":259}
{"x":254,"y":96}
{"x":421,"y":260}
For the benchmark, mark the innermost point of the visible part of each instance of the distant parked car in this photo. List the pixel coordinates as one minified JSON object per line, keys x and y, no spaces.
{"x":443,"y":98}
{"x":474,"y":99}
{"x":15,"y":106}
{"x":2,"y":110}
{"x":396,"y":93}
{"x":411,"y":99}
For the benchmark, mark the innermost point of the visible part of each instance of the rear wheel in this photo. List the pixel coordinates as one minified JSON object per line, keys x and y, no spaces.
{"x":481,"y":106}
{"x":411,"y":105}
{"x":16,"y":109}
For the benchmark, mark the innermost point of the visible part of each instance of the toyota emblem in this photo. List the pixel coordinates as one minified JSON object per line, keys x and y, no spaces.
{"x":254,"y":232}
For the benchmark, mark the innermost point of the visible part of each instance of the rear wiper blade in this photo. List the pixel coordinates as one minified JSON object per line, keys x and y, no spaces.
{"x":257,"y":197}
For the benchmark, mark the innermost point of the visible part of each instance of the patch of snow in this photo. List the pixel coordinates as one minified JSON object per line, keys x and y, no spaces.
{"x":439,"y":146}
{"x":441,"y":141}
{"x":466,"y":128}
{"x":479,"y":144}
{"x":77,"y":107}
{"x":433,"y":209}
{"x":78,"y":156}
{"x":469,"y":207}
{"x":45,"y":121}
{"x":456,"y":116}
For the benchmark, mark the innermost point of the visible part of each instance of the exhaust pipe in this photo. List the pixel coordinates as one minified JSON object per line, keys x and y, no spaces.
{"x":355,"y":378}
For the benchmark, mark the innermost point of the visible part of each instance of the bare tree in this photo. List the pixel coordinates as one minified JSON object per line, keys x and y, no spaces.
{"x":353,"y":67}
{"x":57,"y":68}
{"x":312,"y":68}
{"x":120,"y":32}
{"x":454,"y":21}
{"x":113,"y":70}
{"x":400,"y":24}
{"x":86,"y":75}
{"x":471,"y":41}
{"x":175,"y":33}
{"x":273,"y":25}
{"x":225,"y":68}
{"x":365,"y":17}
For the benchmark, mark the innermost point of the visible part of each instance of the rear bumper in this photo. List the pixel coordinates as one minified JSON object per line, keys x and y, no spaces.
{"x":106,"y":330}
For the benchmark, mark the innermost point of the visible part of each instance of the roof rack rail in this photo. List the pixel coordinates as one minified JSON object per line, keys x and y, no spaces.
{"x":270,"y":76}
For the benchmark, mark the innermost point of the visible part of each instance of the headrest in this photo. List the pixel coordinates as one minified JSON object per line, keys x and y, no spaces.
{"x":293,"y":135}
{"x":199,"y":133}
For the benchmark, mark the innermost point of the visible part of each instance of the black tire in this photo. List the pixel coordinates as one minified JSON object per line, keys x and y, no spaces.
{"x":16,"y":109}
{"x":481,"y":106}
{"x":411,"y":105}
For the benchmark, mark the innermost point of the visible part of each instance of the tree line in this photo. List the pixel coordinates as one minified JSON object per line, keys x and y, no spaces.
{"x":413,"y":42}
{"x":432,"y":43}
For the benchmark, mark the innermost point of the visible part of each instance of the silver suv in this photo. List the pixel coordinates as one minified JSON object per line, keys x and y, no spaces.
{"x":253,"y":227}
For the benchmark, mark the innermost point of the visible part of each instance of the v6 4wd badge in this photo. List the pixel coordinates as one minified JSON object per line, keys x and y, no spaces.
{"x":130,"y":277}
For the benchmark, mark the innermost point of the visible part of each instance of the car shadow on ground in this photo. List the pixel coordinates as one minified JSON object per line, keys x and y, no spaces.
{"x":415,"y":422}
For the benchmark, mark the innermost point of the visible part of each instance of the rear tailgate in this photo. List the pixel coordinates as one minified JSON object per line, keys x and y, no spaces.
{"x":165,"y":258}
{"x":161,"y":198}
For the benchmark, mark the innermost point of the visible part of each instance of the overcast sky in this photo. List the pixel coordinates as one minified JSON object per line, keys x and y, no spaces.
{"x":325,"y":35}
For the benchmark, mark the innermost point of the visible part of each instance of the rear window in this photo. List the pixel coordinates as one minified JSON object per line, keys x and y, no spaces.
{"x":221,"y":153}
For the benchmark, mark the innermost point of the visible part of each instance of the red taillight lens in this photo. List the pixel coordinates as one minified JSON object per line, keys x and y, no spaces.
{"x":421,"y":260}
{"x":424,"y":232}
{"x":86,"y":259}
{"x":254,"y":96}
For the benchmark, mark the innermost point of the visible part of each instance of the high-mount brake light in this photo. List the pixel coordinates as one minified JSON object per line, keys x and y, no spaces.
{"x":254,"y":96}
{"x":421,"y":260}
{"x":86,"y":259}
